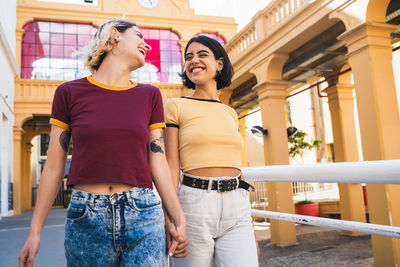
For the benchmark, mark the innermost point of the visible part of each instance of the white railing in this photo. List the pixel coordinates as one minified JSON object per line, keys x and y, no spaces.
{"x":370,"y":172}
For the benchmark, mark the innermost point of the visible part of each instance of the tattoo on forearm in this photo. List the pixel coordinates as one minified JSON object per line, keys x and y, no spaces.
{"x":156,"y":145}
{"x":65,"y":138}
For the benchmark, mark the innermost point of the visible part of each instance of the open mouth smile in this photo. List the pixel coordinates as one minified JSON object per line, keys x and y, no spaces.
{"x":196,"y":69}
{"x":142,"y":50}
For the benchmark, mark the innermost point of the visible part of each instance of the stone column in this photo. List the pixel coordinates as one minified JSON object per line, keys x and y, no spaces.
{"x":271,"y":97}
{"x":370,"y":56}
{"x":18,"y":171}
{"x":27,"y":188}
{"x":340,"y":99}
{"x":271,"y":92}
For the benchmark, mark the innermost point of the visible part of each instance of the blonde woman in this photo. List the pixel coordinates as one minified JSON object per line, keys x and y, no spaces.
{"x":114,"y":218}
{"x":202,"y":140}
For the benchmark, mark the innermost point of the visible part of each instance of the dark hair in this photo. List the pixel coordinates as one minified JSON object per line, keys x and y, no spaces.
{"x":224,"y":77}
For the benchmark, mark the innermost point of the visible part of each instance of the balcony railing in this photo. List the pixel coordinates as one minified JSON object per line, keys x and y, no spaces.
{"x":264,"y":23}
{"x":43,"y":90}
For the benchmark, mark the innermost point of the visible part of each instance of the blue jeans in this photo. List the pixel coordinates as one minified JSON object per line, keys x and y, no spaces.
{"x":121,"y":229}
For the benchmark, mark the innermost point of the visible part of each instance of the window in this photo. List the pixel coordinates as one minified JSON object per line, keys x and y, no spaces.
{"x":47,"y":49}
{"x":164,"y":61}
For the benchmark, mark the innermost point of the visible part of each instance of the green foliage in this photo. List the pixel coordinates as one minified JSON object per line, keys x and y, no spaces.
{"x":298,"y":144}
{"x":302,"y":202}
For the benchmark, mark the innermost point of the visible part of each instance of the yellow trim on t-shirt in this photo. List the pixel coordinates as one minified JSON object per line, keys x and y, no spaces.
{"x":110,"y":87}
{"x":59,"y":123}
{"x":156,"y":125}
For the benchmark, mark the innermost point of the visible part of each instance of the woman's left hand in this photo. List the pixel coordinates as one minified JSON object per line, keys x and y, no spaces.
{"x":176,"y":238}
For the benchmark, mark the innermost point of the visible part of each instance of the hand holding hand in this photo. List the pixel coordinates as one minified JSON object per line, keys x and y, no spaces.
{"x":176,"y":238}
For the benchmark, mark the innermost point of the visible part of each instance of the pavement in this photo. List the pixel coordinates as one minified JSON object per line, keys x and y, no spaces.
{"x":15,"y":229}
{"x":316,"y":246}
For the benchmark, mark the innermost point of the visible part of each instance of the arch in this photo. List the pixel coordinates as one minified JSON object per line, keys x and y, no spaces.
{"x":21,"y":119}
{"x":269,"y":68}
{"x":22,"y":22}
{"x":35,"y":126}
{"x":376,"y":10}
{"x":275,"y":66}
{"x":176,"y":32}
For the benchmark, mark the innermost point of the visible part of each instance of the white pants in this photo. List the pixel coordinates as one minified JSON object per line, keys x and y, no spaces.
{"x":219,"y":227}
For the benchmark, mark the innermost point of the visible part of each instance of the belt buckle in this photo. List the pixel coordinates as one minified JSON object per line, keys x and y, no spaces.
{"x":219,"y":186}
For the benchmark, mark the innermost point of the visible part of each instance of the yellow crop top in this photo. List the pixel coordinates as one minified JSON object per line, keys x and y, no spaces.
{"x":208,"y":133}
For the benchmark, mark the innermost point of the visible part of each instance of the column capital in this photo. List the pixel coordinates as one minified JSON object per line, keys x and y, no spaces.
{"x":271,"y":89}
{"x":18,"y":132}
{"x":367,"y":34}
{"x":340,"y":91}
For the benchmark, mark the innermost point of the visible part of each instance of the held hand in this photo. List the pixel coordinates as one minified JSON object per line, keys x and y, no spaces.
{"x":29,"y":251}
{"x":181,"y":251}
{"x":176,"y":237}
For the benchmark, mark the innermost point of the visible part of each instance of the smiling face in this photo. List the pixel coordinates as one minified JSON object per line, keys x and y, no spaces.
{"x":131,"y":46}
{"x":200,"y":65}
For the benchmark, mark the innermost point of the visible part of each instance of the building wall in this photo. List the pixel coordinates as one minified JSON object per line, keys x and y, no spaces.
{"x":8,"y":70}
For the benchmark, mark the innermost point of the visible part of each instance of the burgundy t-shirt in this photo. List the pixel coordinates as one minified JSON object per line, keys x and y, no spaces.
{"x":110,"y":130}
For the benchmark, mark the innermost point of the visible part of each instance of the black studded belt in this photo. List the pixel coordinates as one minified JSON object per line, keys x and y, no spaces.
{"x":220,"y":185}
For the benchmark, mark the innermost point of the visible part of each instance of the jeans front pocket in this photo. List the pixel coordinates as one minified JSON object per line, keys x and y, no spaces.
{"x":76,"y":211}
{"x":189,"y":195}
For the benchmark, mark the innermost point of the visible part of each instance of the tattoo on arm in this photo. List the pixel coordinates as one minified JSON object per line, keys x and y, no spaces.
{"x":65,"y":138}
{"x":156,"y":144}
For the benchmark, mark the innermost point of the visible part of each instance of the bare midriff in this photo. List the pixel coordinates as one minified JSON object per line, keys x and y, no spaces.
{"x":215,"y":171}
{"x":103,"y":189}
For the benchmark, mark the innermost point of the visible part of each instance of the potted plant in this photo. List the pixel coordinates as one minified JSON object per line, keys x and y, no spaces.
{"x":297,"y":146}
{"x":307,"y":207}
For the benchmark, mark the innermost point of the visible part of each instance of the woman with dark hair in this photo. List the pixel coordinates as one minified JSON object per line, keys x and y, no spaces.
{"x":203,"y":141}
{"x":114,"y":218}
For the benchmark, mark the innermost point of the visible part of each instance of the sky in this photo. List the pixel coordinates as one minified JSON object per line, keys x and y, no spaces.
{"x":241,"y":10}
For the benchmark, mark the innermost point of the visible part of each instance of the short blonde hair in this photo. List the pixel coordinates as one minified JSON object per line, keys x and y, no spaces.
{"x":102,"y":43}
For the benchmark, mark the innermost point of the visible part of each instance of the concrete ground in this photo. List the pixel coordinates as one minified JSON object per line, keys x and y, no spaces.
{"x":15,"y":229}
{"x":316,"y":246}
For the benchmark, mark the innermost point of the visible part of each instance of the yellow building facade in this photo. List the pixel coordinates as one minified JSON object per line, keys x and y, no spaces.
{"x":288,"y":44}
{"x":33,"y":96}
